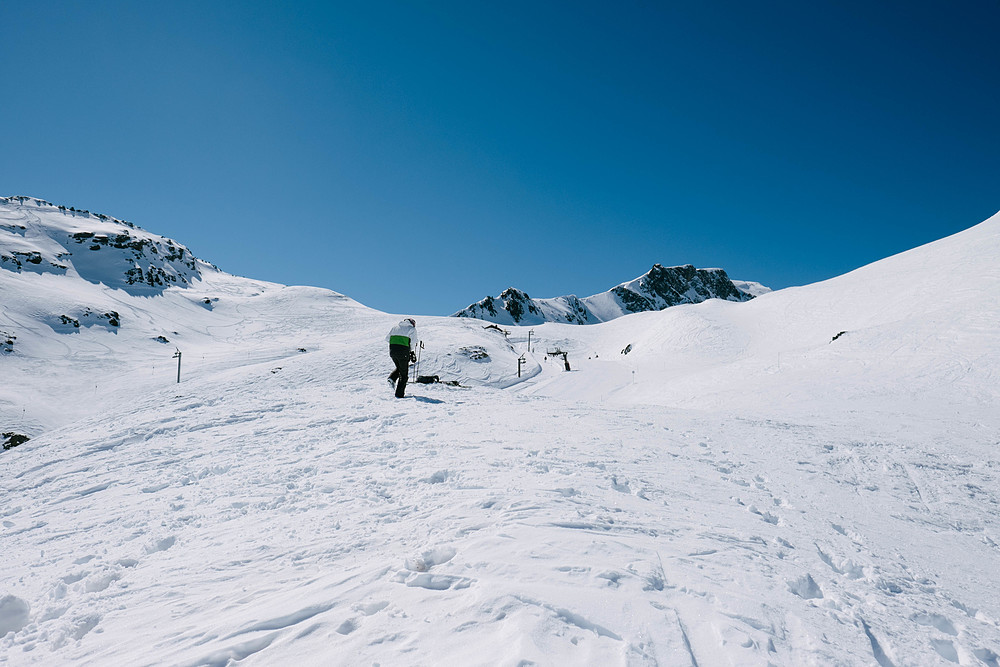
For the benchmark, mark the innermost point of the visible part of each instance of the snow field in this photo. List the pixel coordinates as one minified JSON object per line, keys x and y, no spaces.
{"x":252,"y":520}
{"x":739,"y":489}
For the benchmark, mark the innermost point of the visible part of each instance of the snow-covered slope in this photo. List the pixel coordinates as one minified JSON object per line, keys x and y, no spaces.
{"x":94,"y":308}
{"x":39,"y":237}
{"x":739,"y":488}
{"x":916,"y":330}
{"x":662,"y":287}
{"x":752,"y":288}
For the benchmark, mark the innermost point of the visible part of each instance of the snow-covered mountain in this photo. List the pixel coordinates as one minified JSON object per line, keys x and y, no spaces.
{"x":662,"y":287}
{"x":86,"y":296}
{"x":751,"y":287}
{"x":94,"y":247}
{"x":808,"y":478}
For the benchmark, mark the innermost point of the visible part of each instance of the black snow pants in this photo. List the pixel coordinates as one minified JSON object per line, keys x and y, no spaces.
{"x":400,"y":355}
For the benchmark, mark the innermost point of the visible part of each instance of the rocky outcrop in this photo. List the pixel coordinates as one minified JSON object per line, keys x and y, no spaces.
{"x":662,"y":287}
{"x":38,"y":237}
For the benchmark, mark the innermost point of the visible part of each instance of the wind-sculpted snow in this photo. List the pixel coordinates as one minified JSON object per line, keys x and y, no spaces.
{"x":809,"y":478}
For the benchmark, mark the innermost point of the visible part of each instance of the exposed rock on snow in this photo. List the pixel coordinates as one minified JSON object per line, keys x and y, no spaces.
{"x":7,"y":342}
{"x":11,"y":439}
{"x":662,"y":287}
{"x":39,"y":237}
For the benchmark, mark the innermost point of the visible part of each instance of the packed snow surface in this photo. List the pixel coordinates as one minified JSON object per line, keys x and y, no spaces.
{"x":808,"y":478}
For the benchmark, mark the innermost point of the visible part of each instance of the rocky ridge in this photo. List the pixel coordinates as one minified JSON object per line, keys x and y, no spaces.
{"x":39,"y":237}
{"x":661,"y":287}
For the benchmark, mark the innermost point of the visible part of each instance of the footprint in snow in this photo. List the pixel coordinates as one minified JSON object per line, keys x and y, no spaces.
{"x":936,"y":621}
{"x":987,"y":656}
{"x":371,"y":608}
{"x":765,"y":516}
{"x":14,"y":614}
{"x":805,"y":587}
{"x":621,"y":486}
{"x":946,"y":649}
{"x":437,"y":478}
{"x":84,"y":624}
{"x":436,"y":582}
{"x":417,"y":575}
{"x":347,"y":627}
{"x":428,"y":559}
{"x":160,"y":545}
{"x":101,"y":581}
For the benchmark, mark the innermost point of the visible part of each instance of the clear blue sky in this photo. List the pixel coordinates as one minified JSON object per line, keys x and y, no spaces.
{"x":418,"y":156}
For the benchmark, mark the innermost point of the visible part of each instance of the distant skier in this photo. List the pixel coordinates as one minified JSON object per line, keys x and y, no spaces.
{"x":402,"y":349}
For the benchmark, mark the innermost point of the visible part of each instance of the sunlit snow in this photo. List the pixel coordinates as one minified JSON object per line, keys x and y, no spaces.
{"x":810,"y":477}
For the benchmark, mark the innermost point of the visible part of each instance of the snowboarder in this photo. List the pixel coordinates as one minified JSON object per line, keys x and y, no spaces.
{"x":402,"y":350}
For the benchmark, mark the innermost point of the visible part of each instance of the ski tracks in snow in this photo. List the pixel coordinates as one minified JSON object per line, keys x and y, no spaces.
{"x":264,"y":525}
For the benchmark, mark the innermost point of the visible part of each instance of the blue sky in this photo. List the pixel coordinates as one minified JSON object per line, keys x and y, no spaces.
{"x":418,"y":156}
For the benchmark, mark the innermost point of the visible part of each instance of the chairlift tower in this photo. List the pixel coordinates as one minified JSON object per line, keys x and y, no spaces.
{"x":559,"y":353}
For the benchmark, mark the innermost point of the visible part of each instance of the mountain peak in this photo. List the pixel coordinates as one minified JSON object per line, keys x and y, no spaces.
{"x":661,"y":287}
{"x":39,"y":237}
